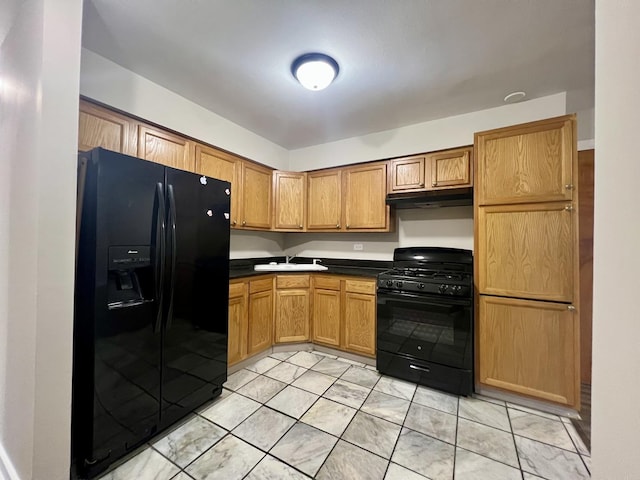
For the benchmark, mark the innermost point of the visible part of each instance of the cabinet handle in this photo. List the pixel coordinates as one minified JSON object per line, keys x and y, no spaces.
{"x":337,"y":225}
{"x":422,"y":369}
{"x":571,"y":308}
{"x":348,"y":226}
{"x":568,"y":186}
{"x":434,"y":184}
{"x":244,"y":223}
{"x":421,"y":185}
{"x":300,"y":226}
{"x":568,"y":208}
{"x":234,"y":222}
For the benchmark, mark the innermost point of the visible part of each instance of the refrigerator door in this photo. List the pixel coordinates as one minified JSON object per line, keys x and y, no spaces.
{"x":197,"y":290}
{"x":117,"y":336}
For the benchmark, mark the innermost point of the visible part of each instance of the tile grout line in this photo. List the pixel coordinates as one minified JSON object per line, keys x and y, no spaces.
{"x":576,"y":447}
{"x":513,"y":439}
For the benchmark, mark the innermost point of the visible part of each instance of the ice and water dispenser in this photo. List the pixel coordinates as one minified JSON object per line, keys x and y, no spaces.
{"x":130,"y":281}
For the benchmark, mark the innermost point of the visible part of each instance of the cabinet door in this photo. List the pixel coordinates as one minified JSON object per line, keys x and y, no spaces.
{"x":530,"y":348}
{"x":451,"y":169}
{"x":365,"y":195}
{"x":99,"y":127}
{"x":292,"y":316}
{"x":526,"y":251}
{"x":326,"y":317}
{"x":260,"y":321}
{"x":324,"y":204}
{"x":407,"y":174}
{"x":360,"y":323}
{"x":165,"y":148}
{"x":256,"y":196}
{"x":526,"y":163}
{"x":238,"y":323}
{"x":290,"y":198}
{"x":216,"y":164}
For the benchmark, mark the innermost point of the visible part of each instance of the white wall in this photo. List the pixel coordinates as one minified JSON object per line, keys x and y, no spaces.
{"x":250,"y":244}
{"x":616,"y":317}
{"x":424,"y":137}
{"x":39,"y":76}
{"x":109,"y":83}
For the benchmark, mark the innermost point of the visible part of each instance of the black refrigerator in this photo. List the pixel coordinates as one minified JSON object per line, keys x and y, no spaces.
{"x":151,"y":300}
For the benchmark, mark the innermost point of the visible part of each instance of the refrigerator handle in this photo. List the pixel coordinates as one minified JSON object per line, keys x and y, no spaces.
{"x":159,"y":255}
{"x":172,"y":226}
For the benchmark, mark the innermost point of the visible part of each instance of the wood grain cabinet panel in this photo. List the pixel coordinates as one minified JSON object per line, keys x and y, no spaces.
{"x":238,"y":323}
{"x":100,"y":127}
{"x":407,"y":174}
{"x":223,"y":166}
{"x":526,"y":163}
{"x":290,"y":199}
{"x":256,"y":196}
{"x":451,"y":169}
{"x":165,"y":148}
{"x":324,"y":204}
{"x":292,"y":316}
{"x":527,"y":251}
{"x":530,"y":348}
{"x":326,"y":316}
{"x":365,"y":197}
{"x":260,"y":322}
{"x":359,"y":323}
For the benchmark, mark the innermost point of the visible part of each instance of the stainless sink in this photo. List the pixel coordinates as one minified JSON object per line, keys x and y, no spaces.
{"x":289,"y":267}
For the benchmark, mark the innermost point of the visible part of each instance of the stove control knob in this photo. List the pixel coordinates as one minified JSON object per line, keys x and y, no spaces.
{"x":389,"y":283}
{"x":399,"y":284}
{"x":421,"y":286}
{"x":443,"y":288}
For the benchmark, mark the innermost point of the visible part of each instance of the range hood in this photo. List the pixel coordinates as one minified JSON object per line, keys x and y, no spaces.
{"x":431,"y":199}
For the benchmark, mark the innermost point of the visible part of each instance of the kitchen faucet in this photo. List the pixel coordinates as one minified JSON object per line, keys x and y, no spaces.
{"x":288,"y":258}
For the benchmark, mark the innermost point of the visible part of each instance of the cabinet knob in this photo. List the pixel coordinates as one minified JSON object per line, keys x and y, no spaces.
{"x":337,"y":225}
{"x":421,"y":184}
{"x":300,"y":226}
{"x":434,"y":184}
{"x":348,"y":226}
{"x":568,"y":186}
{"x":244,"y":223}
{"x":234,"y":222}
{"x":568,"y":208}
{"x":571,"y":308}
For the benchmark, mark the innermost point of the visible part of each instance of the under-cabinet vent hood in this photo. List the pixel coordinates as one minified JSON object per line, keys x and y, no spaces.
{"x":432,"y":199}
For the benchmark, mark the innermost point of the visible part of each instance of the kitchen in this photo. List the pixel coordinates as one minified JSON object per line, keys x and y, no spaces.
{"x":269,"y":248}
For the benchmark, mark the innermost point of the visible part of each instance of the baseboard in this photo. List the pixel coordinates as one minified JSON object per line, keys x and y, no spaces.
{"x":7,"y":470}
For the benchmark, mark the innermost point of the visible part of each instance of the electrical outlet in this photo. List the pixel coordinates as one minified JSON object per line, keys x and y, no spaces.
{"x":358,"y":246}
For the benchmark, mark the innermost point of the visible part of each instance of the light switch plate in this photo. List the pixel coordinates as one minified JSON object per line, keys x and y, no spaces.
{"x":358,"y":246}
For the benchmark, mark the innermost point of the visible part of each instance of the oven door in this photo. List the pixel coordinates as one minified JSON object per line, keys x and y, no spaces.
{"x":430,"y":328}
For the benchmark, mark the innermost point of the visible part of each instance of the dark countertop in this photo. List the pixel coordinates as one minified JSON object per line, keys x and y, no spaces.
{"x":359,"y":268}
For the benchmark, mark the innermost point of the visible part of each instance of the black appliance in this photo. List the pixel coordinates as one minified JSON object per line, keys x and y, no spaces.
{"x":151,"y":300}
{"x":425,"y":318}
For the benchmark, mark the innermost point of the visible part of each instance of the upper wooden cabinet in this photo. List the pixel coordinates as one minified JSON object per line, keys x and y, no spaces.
{"x":365,"y":195}
{"x":324,"y":204}
{"x":255,"y":209}
{"x":99,"y":127}
{"x":224,"y":166}
{"x":290,"y":200}
{"x":526,"y":163}
{"x":435,"y":171}
{"x":166,"y":148}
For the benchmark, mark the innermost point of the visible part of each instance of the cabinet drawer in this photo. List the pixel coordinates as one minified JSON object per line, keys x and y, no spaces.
{"x":237,"y":289}
{"x":361,"y":286}
{"x":261,"y":285}
{"x":292,"y":281}
{"x":326,"y":283}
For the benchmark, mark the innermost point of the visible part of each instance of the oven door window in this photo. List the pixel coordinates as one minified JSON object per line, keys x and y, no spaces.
{"x":433,"y":330}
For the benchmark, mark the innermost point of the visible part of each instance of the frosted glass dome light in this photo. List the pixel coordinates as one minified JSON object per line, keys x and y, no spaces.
{"x":315,"y":71}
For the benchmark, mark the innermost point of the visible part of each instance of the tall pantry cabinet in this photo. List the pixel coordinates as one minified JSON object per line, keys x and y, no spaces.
{"x":527,"y":264}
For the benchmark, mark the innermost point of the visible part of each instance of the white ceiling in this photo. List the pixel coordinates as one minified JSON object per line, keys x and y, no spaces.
{"x":401,"y":61}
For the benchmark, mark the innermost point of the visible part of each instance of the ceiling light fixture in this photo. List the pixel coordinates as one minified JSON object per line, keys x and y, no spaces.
{"x":514,"y":97}
{"x":315,"y":71}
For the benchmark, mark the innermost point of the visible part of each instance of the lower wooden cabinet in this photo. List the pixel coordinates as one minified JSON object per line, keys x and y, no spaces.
{"x":292,"y":308}
{"x":238,"y":322}
{"x":260,"y":315}
{"x":327,"y":310}
{"x":529,"y":347}
{"x":360,"y":317}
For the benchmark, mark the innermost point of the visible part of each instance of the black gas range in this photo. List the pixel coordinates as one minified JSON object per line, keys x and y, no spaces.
{"x":425,"y":318}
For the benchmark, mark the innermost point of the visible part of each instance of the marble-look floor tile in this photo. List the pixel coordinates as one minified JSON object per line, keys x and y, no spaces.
{"x":147,"y":465}
{"x":325,"y":354}
{"x":314,"y":382}
{"x":230,"y":409}
{"x":372,"y":433}
{"x":293,"y":401}
{"x":229,"y":459}
{"x":371,"y":367}
{"x":397,"y":472}
{"x":587,"y":462}
{"x":182,"y":476}
{"x":395,"y":387}
{"x":348,"y":462}
{"x":347,"y":393}
{"x":304,"y":448}
{"x":386,"y":406}
{"x":484,"y":412}
{"x":432,"y":422}
{"x":286,"y":372}
{"x":550,"y":416}
{"x":282,"y":356}
{"x":329,"y":366}
{"x":271,"y":468}
{"x":305,"y":359}
{"x":264,"y":364}
{"x":528,"y":476}
{"x":264,"y":428}
{"x":350,"y":362}
{"x":425,"y":455}
{"x":540,"y":429}
{"x":577,"y":441}
{"x":435,"y":399}
{"x":239,"y":379}
{"x":361,"y":376}
{"x":549,"y":462}
{"x":470,"y":466}
{"x":329,"y":416}
{"x":261,"y":389}
{"x":487,"y":441}
{"x":186,"y":443}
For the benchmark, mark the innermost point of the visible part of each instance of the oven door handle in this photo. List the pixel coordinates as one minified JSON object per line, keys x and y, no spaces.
{"x":442,"y":302}
{"x":422,"y":369}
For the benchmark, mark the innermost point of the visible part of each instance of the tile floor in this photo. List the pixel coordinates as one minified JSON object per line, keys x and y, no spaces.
{"x":307,"y":414}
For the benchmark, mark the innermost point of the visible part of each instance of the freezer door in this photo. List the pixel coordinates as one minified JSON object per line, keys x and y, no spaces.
{"x":197,"y":289}
{"x":117,"y":336}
